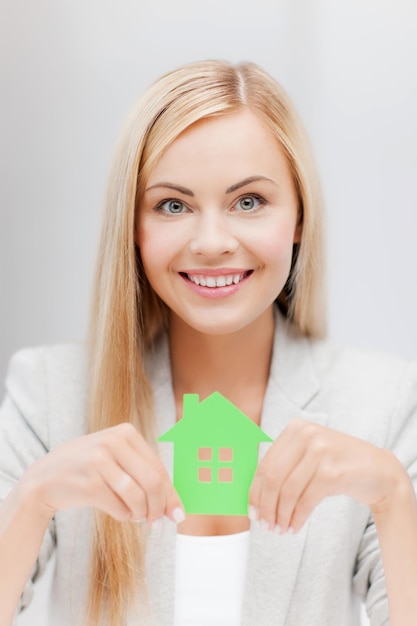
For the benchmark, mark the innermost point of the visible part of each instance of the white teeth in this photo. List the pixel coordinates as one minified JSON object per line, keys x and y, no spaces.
{"x":216,"y":281}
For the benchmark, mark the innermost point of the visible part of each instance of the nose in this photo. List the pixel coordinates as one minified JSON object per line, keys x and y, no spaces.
{"x":213,"y":236}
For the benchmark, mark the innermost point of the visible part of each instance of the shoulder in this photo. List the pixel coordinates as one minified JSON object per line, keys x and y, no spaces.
{"x":43,"y":364}
{"x":312,"y":369}
{"x":67,"y":355}
{"x":367,"y":391}
{"x":47,"y":385}
{"x":347,"y":365}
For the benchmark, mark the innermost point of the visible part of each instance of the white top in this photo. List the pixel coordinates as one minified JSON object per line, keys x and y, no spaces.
{"x":209,"y":579}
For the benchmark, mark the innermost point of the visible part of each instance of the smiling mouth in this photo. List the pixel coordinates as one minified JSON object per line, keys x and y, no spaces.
{"x":216,"y":281}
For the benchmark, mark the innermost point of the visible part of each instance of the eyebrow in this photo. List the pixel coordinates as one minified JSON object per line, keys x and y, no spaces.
{"x":247,"y":181}
{"x":188,"y":192}
{"x":184,"y":190}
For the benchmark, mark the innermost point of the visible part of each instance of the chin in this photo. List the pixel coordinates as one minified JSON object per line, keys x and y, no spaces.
{"x":221,"y":326}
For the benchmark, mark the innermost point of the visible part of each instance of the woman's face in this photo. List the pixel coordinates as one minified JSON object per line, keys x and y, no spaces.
{"x":217,"y":222}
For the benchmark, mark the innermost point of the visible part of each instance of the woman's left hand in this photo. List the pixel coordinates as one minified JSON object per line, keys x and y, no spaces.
{"x":308,"y":463}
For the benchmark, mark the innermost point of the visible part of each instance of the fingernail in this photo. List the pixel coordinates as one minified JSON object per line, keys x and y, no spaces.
{"x":277,"y":529}
{"x":290,"y":531}
{"x":263,"y":524}
{"x":140,"y":521}
{"x":252,"y":513}
{"x":178,"y":515}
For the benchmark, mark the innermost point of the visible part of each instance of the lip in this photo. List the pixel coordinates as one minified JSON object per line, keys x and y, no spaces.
{"x":218,"y":271}
{"x":216,"y":292}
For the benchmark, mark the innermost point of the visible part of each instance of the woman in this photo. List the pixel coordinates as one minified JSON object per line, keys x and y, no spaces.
{"x":209,"y":279}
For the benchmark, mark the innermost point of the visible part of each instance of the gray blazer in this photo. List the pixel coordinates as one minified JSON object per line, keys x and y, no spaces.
{"x":315,"y":578}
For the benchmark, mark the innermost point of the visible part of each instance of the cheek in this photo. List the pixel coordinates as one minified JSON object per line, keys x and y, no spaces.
{"x":158,"y":245}
{"x":276,"y":246}
{"x":150,"y":248}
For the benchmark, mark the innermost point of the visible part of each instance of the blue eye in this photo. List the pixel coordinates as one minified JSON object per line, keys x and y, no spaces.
{"x":250,"y":203}
{"x":173,"y":207}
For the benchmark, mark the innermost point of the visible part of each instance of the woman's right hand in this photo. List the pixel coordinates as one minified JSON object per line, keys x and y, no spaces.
{"x":113,"y":470}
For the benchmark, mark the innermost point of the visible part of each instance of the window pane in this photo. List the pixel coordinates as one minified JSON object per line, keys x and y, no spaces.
{"x":205,"y":454}
{"x":225,"y":454}
{"x":225,"y":475}
{"x":204,"y":474}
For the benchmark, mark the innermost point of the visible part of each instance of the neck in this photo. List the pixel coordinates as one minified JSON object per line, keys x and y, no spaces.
{"x":236,"y":365}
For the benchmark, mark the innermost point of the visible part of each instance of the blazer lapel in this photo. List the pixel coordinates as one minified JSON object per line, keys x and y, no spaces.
{"x":274,"y":560}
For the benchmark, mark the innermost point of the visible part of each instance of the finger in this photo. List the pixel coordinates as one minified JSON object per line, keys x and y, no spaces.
{"x":268,"y":465}
{"x":136,"y":457}
{"x":306,"y":504}
{"x":295,"y":485}
{"x":127,"y":490}
{"x":107,"y":500}
{"x":162,"y":498}
{"x":130,"y":434}
{"x":174,"y":508}
{"x":143,"y":464}
{"x":114,"y":506}
{"x":154,"y":483}
{"x":275,"y":467}
{"x":115,"y":438}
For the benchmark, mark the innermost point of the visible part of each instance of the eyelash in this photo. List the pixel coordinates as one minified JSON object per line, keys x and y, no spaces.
{"x":159,"y":208}
{"x":255,"y":196}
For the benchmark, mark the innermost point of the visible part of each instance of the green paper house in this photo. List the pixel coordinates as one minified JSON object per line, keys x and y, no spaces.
{"x":215,"y":455}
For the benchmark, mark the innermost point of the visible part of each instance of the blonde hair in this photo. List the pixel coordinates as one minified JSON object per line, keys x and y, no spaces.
{"x":126,"y":314}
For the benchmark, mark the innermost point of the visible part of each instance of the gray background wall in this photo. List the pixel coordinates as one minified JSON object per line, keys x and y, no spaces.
{"x":69,"y":72}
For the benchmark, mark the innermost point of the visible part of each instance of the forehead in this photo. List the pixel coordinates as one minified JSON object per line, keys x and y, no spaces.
{"x":238,"y":143}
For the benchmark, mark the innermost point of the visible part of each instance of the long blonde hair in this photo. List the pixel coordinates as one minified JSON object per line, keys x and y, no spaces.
{"x":126,"y":314}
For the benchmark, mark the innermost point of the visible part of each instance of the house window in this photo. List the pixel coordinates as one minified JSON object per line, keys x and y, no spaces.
{"x":214,"y":465}
{"x":205,"y":454}
{"x":226,"y":454}
{"x":225,"y":475}
{"x":204,"y":474}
